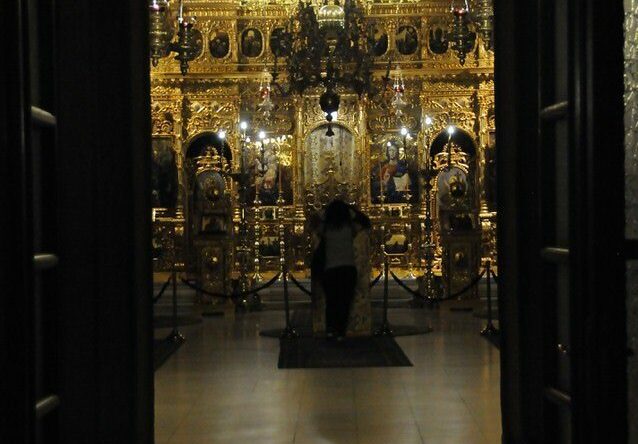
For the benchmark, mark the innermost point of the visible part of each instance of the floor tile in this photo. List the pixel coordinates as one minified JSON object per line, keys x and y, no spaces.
{"x":223,"y":386}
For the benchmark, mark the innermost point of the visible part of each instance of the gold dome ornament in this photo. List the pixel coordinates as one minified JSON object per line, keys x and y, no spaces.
{"x":331,"y":16}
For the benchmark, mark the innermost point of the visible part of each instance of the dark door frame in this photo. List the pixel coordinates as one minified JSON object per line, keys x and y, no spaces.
{"x":104,"y":222}
{"x":596,"y":121}
{"x":16,"y":267}
{"x":102,"y":173}
{"x":106,"y":378}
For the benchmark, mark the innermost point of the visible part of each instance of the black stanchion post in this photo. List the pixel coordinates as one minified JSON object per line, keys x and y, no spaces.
{"x":489,"y":329}
{"x":385,"y":329}
{"x":289,"y":332}
{"x":175,"y":334}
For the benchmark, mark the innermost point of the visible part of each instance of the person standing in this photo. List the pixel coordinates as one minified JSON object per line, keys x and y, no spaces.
{"x":339,"y":274}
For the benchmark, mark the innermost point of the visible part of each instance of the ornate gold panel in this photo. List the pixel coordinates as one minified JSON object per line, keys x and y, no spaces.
{"x":220,"y":91}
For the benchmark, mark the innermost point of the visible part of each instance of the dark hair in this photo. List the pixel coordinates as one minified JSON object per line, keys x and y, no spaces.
{"x":337,"y":214}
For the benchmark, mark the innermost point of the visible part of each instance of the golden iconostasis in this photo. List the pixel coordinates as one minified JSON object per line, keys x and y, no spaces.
{"x":235,"y":185}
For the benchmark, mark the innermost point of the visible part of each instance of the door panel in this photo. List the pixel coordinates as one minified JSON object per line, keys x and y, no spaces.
{"x":559,"y":106}
{"x":631,"y":206}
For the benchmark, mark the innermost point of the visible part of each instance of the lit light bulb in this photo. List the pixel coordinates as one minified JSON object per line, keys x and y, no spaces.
{"x":221,"y":134}
{"x":243,"y":125}
{"x":262,"y":135}
{"x":334,"y":115}
{"x":451,"y":130}
{"x":428,"y":120}
{"x":389,"y":144}
{"x":404,"y":131}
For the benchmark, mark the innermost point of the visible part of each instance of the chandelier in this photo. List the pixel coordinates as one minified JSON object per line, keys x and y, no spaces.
{"x":328,"y":47}
{"x":460,"y":35}
{"x":189,"y":39}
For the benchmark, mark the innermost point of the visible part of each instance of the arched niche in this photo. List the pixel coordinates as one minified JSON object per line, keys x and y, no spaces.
{"x":455,"y":186}
{"x":200,"y":143}
{"x":460,"y":138}
{"x":331,"y":164}
{"x":208,"y":204}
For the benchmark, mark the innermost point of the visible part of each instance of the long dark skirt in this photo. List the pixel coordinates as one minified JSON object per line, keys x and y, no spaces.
{"x":339,"y":284}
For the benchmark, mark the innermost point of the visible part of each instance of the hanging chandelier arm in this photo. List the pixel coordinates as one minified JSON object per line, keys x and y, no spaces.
{"x":386,"y":78}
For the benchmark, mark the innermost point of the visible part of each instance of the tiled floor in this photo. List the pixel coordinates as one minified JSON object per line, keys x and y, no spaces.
{"x":223,"y":386}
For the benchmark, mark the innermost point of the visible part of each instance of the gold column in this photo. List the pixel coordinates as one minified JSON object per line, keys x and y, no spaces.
{"x":485,"y":98}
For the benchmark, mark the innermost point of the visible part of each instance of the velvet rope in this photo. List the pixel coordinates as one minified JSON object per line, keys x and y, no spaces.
{"x":403,"y":285}
{"x":375,"y":280}
{"x":162,"y":290}
{"x":226,"y":296}
{"x":309,"y":293}
{"x":299,"y":286}
{"x":474,"y":282}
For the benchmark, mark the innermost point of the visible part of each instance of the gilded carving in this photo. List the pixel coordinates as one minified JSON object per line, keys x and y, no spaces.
{"x":222,"y":88}
{"x":163,"y":117}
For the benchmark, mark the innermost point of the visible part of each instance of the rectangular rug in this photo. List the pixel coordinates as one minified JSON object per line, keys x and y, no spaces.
{"x":308,"y":352}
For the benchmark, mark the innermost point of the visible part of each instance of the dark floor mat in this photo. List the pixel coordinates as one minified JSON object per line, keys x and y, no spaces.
{"x":352,"y":352}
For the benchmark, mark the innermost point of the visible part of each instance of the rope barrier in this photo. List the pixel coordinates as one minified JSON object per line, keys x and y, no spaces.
{"x":226,"y":296}
{"x":474,"y":282}
{"x":162,"y":290}
{"x":375,"y":280}
{"x":209,"y":293}
{"x":309,"y":293}
{"x":403,"y":285}
{"x":494,"y":276}
{"x":299,"y":286}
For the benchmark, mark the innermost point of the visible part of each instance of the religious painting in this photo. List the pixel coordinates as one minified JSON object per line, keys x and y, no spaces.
{"x":380,"y":39}
{"x":394,"y":174}
{"x":268,"y":166}
{"x":219,"y":44}
{"x":197,"y":47}
{"x":454,"y":201}
{"x":437,"y":38}
{"x":452,"y":189}
{"x":252,"y":42}
{"x":407,"y":39}
{"x":269,"y":246}
{"x":163,"y":173}
{"x":280,"y":42}
{"x":331,"y":165}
